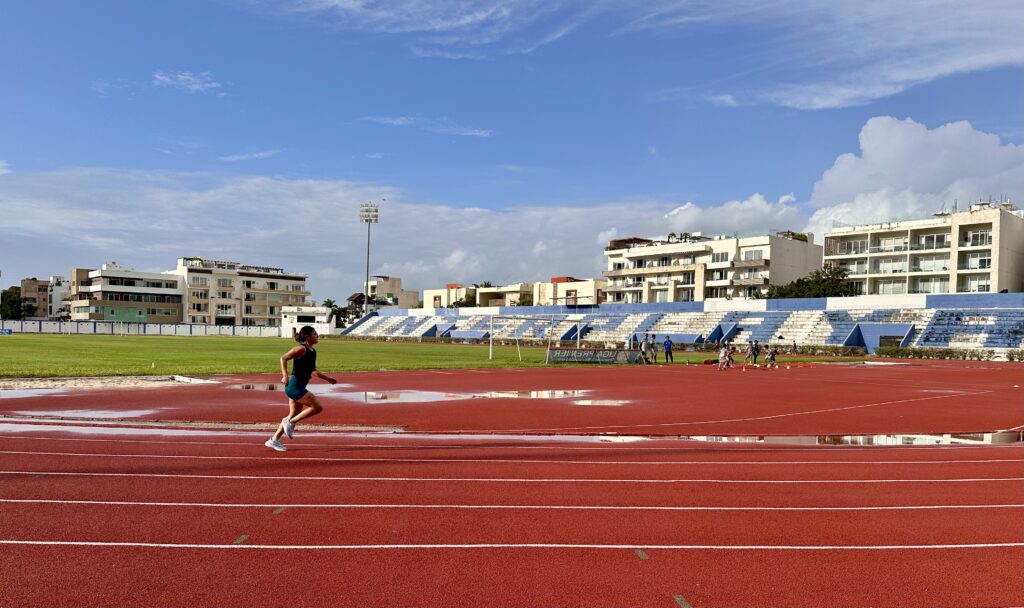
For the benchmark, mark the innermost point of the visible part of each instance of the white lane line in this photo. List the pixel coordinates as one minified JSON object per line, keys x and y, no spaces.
{"x":516,"y":460}
{"x":646,"y":547}
{"x":748,"y":419}
{"x":121,"y":503}
{"x":512,"y":479}
{"x":400,"y":443}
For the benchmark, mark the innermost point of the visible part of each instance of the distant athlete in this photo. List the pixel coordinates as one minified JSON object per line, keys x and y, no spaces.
{"x":302,"y":404}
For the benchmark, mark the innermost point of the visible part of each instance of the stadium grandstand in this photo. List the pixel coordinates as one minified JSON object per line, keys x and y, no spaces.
{"x":968,"y":321}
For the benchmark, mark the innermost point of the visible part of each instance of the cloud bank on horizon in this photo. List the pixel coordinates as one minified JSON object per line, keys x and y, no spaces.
{"x":902,"y":169}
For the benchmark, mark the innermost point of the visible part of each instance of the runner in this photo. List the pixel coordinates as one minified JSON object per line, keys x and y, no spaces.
{"x":302,"y":404}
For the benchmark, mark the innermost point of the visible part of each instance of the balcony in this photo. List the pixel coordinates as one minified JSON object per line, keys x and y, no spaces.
{"x":923,"y":269}
{"x":889,"y":249}
{"x":929,"y":247}
{"x":751,"y":263}
{"x":981,"y":289}
{"x":975,"y":267}
{"x":750,"y":281}
{"x":848,"y":251}
{"x":896,"y":270}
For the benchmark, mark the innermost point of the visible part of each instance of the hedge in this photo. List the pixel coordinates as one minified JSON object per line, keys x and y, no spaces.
{"x":963,"y":354}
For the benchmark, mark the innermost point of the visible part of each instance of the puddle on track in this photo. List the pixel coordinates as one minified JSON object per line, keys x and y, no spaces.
{"x":337,"y":391}
{"x":90,"y":414}
{"x":994,"y":438}
{"x":19,"y":393}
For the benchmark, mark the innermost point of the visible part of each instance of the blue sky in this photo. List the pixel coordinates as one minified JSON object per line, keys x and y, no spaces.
{"x":508,"y":140}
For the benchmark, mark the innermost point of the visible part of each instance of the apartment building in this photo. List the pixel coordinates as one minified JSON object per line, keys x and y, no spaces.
{"x":569,"y":291}
{"x":33,"y":298}
{"x":695,"y":267}
{"x":218,"y":292}
{"x":390,"y":289}
{"x":978,"y":250}
{"x":442,"y":298}
{"x":120,"y":293}
{"x":515,"y":294}
{"x":58,"y":293}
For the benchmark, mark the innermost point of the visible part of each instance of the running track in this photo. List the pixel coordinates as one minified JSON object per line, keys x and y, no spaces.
{"x":98,"y":515}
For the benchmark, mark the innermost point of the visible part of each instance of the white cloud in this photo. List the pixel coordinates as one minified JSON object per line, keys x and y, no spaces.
{"x":150,"y":218}
{"x":433,"y":125}
{"x":906,"y":170}
{"x":188,"y":82}
{"x":838,"y":54}
{"x":103,"y":88}
{"x":755,"y":215}
{"x":78,"y":217}
{"x":249,"y":156}
{"x":4,"y":168}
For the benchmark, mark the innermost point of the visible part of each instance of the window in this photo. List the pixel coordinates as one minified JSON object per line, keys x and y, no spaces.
{"x":224,"y":295}
{"x":933,"y":241}
{"x":663,"y":261}
{"x":199,"y":295}
{"x":271,"y":285}
{"x":977,"y":238}
{"x":720,"y":257}
{"x":756,"y":254}
{"x":437,"y":301}
{"x":198,"y":281}
{"x":248,"y":284}
{"x":224,"y":283}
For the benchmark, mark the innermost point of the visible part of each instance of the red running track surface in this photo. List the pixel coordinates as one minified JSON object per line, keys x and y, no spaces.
{"x":103,"y":514}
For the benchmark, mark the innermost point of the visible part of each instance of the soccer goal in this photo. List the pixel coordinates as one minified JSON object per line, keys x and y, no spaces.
{"x":534,"y":328}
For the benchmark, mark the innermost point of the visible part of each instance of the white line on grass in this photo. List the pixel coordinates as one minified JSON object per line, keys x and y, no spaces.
{"x":495,"y":507}
{"x":521,"y":546}
{"x":512,"y":479}
{"x":515,"y":460}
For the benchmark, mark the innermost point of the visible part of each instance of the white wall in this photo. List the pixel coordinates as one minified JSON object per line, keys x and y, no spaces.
{"x":871,"y":302}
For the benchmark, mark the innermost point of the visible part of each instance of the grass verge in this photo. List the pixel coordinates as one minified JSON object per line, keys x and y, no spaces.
{"x":55,"y":355}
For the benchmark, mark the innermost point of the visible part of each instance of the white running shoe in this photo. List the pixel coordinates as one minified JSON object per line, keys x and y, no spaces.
{"x":289,"y":427}
{"x":275,"y":444}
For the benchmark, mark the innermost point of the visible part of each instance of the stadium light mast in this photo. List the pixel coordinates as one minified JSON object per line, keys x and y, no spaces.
{"x":368,"y":213}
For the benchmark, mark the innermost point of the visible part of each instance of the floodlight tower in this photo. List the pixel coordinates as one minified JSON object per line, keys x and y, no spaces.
{"x":368,"y":213}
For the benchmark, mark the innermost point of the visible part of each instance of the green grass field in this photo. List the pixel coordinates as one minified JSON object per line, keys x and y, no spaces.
{"x":54,"y":355}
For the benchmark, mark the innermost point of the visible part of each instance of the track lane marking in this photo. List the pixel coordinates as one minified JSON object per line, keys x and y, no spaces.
{"x":495,"y":507}
{"x":510,"y":479}
{"x":517,"y":460}
{"x":518,"y":546}
{"x":553,"y":446}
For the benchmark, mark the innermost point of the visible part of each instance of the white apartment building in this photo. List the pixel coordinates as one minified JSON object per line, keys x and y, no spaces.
{"x":230,"y":293}
{"x":120,"y":293}
{"x":514,"y":294}
{"x":979,"y":250}
{"x":58,"y":293}
{"x":442,"y":298}
{"x":696,"y":267}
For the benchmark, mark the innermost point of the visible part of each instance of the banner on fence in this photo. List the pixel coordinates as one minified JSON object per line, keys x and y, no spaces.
{"x":593,"y":355}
